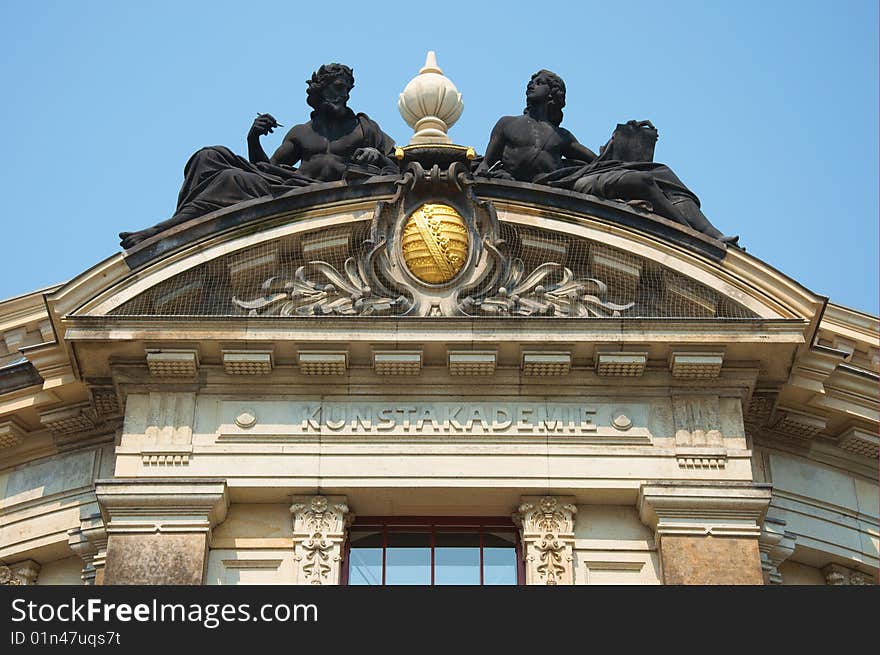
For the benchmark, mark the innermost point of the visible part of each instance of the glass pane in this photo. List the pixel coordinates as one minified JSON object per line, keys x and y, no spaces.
{"x":365,"y":558}
{"x":457,"y":558}
{"x":499,"y":558}
{"x":408,"y":558}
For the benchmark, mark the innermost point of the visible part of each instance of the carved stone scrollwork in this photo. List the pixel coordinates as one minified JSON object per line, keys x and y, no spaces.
{"x":547,"y":533}
{"x":434,"y":249}
{"x":539,"y":294}
{"x":319,"y":532}
{"x":319,"y":289}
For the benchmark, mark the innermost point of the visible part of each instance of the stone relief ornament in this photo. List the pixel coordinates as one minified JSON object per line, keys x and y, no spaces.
{"x":319,"y":526}
{"x":319,"y":289}
{"x":835,"y":574}
{"x":539,"y":294}
{"x":7,"y":577}
{"x":550,"y":554}
{"x":547,"y":533}
{"x":434,"y":249}
{"x":318,"y":555}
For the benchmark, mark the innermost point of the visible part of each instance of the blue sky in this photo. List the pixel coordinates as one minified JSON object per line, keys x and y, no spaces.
{"x":767,"y":110}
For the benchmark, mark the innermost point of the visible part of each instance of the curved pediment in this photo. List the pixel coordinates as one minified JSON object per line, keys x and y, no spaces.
{"x":531,"y":253}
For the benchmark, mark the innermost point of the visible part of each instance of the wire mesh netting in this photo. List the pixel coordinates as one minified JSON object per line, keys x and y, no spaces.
{"x":223,"y":286}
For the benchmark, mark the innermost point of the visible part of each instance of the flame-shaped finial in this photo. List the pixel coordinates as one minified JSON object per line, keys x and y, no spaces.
{"x":430,"y":104}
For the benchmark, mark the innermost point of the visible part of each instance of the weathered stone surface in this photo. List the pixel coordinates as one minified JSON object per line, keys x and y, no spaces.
{"x":156,"y":559}
{"x":694,"y":560}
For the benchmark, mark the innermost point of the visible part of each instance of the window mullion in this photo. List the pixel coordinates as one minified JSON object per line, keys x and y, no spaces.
{"x":481,"y":556}
{"x":384,"y":550}
{"x":433,"y":543}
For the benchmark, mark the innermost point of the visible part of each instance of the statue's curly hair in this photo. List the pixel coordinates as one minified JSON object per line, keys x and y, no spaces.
{"x":557,"y":95}
{"x":322,"y":77}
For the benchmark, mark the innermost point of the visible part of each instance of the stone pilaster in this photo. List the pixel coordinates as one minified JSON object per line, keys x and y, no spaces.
{"x":776,"y":545}
{"x":22,"y":573}
{"x":546,"y":526}
{"x":706,"y":532}
{"x":159,"y":529}
{"x":320,"y":525}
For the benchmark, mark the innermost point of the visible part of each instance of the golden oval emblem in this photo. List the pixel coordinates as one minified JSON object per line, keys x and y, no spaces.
{"x":435,"y":243}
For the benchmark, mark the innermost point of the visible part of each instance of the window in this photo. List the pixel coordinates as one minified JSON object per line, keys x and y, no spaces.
{"x":433,"y":551}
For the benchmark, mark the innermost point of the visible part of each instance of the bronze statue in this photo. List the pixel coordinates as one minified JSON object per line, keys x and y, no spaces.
{"x":335,"y":143}
{"x":534,"y":148}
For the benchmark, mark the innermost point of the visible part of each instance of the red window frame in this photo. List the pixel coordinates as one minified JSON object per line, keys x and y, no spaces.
{"x":432,"y":525}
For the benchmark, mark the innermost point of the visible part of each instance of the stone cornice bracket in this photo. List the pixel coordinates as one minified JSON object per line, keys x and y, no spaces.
{"x":162,"y":505}
{"x":20,"y":574}
{"x":546,"y":525}
{"x":320,"y":525}
{"x":89,"y":542}
{"x":775,"y":545}
{"x":813,"y":366}
{"x":721,"y":509}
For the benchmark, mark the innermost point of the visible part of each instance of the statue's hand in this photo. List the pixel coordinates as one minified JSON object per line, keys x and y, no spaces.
{"x":263,"y":125}
{"x":494,"y":173}
{"x":366,"y":157}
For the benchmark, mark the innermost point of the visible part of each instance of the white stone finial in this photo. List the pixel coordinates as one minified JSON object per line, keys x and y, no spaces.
{"x":430,"y":104}
{"x":431,"y":65}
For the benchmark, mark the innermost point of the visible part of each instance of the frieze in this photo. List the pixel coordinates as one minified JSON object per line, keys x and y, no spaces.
{"x":425,"y":419}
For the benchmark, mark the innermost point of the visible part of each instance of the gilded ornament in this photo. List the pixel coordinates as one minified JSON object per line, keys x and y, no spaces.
{"x":435,"y":243}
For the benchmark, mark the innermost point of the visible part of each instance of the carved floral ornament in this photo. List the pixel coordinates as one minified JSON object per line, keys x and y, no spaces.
{"x":319,"y":533}
{"x":322,"y":516}
{"x":546,"y":528}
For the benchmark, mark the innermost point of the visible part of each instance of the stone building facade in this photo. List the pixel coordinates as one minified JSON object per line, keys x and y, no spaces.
{"x":722,"y":429}
{"x":433,"y":378}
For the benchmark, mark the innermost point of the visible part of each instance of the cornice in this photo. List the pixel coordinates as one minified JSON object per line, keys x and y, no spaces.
{"x":861,"y":325}
{"x":85,"y":328}
{"x":24,"y":309}
{"x":704,"y":508}
{"x":162,"y":504}
{"x":284,"y":207}
{"x":18,"y":375}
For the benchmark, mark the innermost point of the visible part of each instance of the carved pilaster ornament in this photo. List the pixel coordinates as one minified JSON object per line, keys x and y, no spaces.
{"x":21,"y":574}
{"x":836,"y":575}
{"x":319,"y":531}
{"x":7,"y":577}
{"x":547,"y":533}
